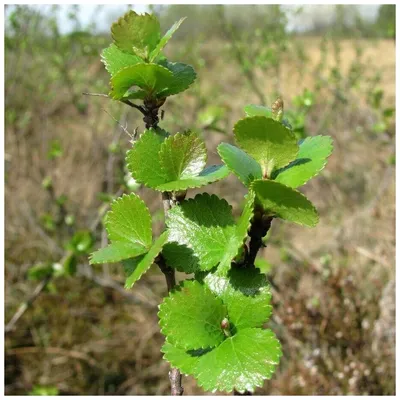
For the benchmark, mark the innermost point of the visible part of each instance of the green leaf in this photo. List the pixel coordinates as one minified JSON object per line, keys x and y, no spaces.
{"x":206,"y":225}
{"x":165,"y":39}
{"x":144,"y":262}
{"x":114,"y":59}
{"x":284,"y":202}
{"x":183,"y":76}
{"x":128,"y":225}
{"x":312,"y":158}
{"x":129,"y":221}
{"x":263,"y":265}
{"x":40,"y":271}
{"x":81,"y":242}
{"x":191,"y":317}
{"x":239,"y":236}
{"x":241,"y":362}
{"x":168,"y":166}
{"x":182,"y":156}
{"x":252,"y":110}
{"x":180,"y":358}
{"x":151,"y":78}
{"x":240,"y":163}
{"x":117,"y":251}
{"x":70,"y":264}
{"x":267,"y":141}
{"x":246,"y":294}
{"x":210,"y":174}
{"x":143,"y":161}
{"x":135,"y":33}
{"x":180,"y":257}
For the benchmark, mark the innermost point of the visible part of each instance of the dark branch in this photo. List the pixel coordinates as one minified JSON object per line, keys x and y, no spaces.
{"x":246,"y":393}
{"x":259,"y":228}
{"x":174,"y":374}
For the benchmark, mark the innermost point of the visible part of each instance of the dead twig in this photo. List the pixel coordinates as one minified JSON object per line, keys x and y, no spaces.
{"x":53,"y":350}
{"x":25,"y":305}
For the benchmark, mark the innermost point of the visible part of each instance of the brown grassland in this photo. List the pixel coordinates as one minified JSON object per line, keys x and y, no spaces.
{"x":333,"y":286}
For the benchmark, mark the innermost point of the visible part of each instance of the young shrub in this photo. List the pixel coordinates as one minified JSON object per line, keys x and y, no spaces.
{"x":214,"y":322}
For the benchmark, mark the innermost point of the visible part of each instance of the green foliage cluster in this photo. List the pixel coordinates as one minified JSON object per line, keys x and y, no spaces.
{"x":214,"y":322}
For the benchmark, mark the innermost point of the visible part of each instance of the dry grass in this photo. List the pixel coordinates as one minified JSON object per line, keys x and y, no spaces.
{"x":333,"y":285}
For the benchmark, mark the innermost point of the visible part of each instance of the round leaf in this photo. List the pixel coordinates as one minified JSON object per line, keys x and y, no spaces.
{"x":269,"y":142}
{"x":210,"y":174}
{"x":240,"y":163}
{"x":191,"y":317}
{"x":284,"y":202}
{"x":114,"y":59}
{"x":129,"y":221}
{"x":246,"y":294}
{"x":143,"y":161}
{"x":252,"y":110}
{"x":312,"y":158}
{"x":205,"y":224}
{"x":143,"y":263}
{"x":180,"y":257}
{"x":133,"y":30}
{"x":117,"y":251}
{"x":151,"y":78}
{"x":183,"y":76}
{"x":184,"y":360}
{"x":241,"y":362}
{"x":182,"y":155}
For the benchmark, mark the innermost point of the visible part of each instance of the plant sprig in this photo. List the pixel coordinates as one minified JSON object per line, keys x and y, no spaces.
{"x":213,"y":322}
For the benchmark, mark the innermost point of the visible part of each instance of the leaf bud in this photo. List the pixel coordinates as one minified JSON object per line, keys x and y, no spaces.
{"x":277,"y":109}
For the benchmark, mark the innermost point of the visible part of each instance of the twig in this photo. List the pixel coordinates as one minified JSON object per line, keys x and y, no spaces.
{"x":124,"y":128}
{"x":259,"y":228}
{"x":175,"y":378}
{"x":129,"y":103}
{"x":150,"y":111}
{"x":25,"y":305}
{"x":53,"y":350}
{"x":96,"y":94}
{"x":379,"y":260}
{"x":174,"y":374}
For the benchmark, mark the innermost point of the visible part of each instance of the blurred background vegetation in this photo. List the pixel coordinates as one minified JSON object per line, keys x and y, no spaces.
{"x":333,"y":286}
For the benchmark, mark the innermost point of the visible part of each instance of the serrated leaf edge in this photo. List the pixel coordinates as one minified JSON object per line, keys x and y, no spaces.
{"x":124,"y":20}
{"x":190,"y":84}
{"x":177,"y":136}
{"x":263,"y":117}
{"x":318,"y":171}
{"x":120,"y":199}
{"x":173,"y":365}
{"x":117,"y":97}
{"x":298,"y":223}
{"x":263,"y":377}
{"x":231,"y":170}
{"x":150,"y":264}
{"x":161,"y":312}
{"x":110,"y":261}
{"x":130,"y":166}
{"x":194,"y":186}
